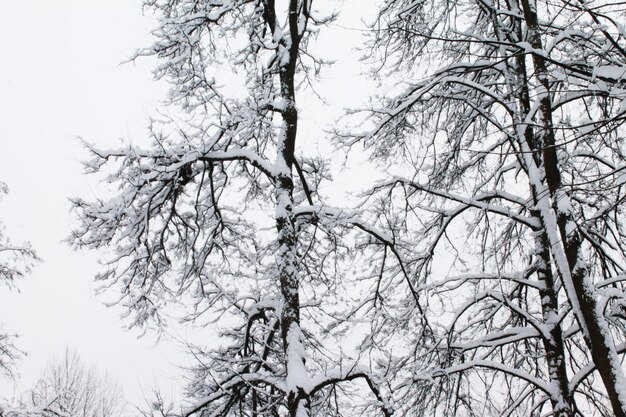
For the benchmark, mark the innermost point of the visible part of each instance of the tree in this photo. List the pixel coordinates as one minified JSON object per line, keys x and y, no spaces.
{"x":181,"y":232}
{"x":15,"y":262}
{"x":514,"y":130}
{"x":68,"y":387}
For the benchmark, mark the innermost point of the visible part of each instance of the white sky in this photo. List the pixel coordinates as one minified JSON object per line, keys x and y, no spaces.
{"x":60,"y":78}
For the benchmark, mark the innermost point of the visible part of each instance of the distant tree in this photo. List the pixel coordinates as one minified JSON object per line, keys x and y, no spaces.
{"x":15,"y":262}
{"x":68,"y":387}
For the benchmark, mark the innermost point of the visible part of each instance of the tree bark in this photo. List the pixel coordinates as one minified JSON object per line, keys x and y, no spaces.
{"x":589,"y":316}
{"x":562,"y":406}
{"x":553,"y":344}
{"x":298,"y":401}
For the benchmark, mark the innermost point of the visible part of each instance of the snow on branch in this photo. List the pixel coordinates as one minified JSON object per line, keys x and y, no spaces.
{"x":350,"y":373}
{"x":497,"y":367}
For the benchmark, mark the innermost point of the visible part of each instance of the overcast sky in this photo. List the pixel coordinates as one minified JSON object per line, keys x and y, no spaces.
{"x":61,"y":78}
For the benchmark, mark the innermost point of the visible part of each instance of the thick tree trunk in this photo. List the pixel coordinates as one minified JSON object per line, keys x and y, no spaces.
{"x":553,"y":343}
{"x":562,"y":403}
{"x":584,"y":298}
{"x":298,"y":399}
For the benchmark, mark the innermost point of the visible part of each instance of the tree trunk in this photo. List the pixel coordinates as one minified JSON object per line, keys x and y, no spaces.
{"x":588,"y":314}
{"x":553,"y":344}
{"x":298,"y":401}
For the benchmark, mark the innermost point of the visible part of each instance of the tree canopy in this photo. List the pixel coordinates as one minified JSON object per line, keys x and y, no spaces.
{"x":483,"y":274}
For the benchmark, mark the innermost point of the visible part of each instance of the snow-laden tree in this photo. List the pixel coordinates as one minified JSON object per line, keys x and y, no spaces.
{"x":15,"y":262}
{"x":511,"y":128}
{"x":221,"y":216}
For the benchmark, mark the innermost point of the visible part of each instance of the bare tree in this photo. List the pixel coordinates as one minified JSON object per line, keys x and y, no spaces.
{"x":68,"y":387}
{"x":513,"y":128}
